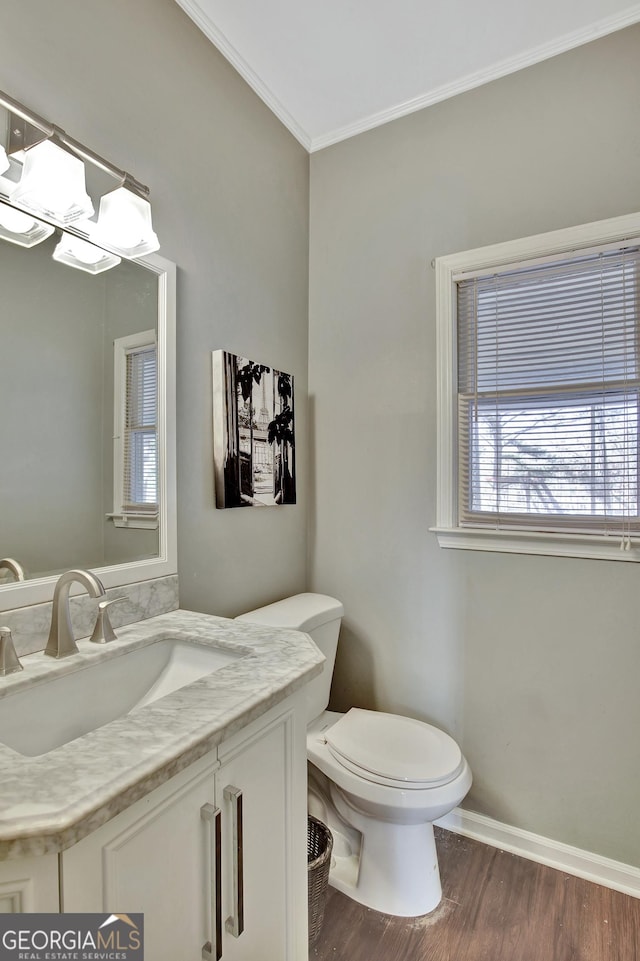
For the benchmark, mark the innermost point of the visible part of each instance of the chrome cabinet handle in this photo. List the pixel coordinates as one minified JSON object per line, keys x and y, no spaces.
{"x":212,"y":950}
{"x":235,"y":924}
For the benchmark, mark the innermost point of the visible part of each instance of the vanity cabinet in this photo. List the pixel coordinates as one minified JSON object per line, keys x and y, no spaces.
{"x":30,"y":884}
{"x":219,"y":846}
{"x":149,"y":859}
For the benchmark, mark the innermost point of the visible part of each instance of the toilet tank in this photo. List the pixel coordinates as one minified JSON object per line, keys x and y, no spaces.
{"x":317,"y":615}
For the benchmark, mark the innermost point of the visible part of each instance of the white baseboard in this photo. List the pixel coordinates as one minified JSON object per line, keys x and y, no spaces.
{"x":583,"y":864}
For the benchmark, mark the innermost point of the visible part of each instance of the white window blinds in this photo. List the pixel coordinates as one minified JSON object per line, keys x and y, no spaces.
{"x":548,"y":392}
{"x":140,"y":474}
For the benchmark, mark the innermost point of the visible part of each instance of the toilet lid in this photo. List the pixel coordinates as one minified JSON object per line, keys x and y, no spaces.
{"x":400,"y":751}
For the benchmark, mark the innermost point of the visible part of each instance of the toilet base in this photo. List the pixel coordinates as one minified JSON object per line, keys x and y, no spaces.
{"x":398,"y":870}
{"x":389,"y":861}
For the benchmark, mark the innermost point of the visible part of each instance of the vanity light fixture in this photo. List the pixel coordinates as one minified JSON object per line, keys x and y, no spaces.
{"x":22,"y":229}
{"x":52,"y":186}
{"x":78,"y":253}
{"x":124,"y":223}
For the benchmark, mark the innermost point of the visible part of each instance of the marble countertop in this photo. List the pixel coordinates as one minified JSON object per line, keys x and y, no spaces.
{"x":47,"y":803}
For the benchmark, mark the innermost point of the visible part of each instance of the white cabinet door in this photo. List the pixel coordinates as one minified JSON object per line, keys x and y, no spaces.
{"x":152,"y":858}
{"x":251,"y":787}
{"x":159,"y":857}
{"x":29,"y":884}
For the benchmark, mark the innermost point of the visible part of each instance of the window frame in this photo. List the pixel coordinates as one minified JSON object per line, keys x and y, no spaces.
{"x":121,"y":515}
{"x":448,"y":270}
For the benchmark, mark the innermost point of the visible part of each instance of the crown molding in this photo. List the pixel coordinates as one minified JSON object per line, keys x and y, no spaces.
{"x":219,"y":40}
{"x":501,"y":69}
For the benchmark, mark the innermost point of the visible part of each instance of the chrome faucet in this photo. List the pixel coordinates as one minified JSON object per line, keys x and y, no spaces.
{"x":61,"y":641}
{"x":8,"y":564}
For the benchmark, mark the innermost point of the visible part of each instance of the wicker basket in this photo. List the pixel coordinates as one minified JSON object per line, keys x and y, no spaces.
{"x":319,"y":846}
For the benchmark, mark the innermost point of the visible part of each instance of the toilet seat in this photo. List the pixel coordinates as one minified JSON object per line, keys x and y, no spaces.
{"x":392,"y":750}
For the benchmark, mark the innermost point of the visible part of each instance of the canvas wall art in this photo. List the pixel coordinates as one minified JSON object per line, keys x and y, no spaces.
{"x":253,"y":433}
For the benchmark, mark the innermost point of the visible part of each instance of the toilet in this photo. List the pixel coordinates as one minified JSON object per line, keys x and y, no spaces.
{"x":378,"y":781}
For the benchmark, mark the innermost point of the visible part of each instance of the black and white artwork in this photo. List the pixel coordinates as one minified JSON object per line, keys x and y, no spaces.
{"x":253,"y":433}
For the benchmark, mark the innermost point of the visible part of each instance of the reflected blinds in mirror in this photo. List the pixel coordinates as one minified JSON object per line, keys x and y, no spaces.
{"x":548,"y":395}
{"x":141,"y":444}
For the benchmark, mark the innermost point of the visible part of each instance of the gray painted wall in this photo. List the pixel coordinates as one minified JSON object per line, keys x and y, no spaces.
{"x":532,"y":662}
{"x":142,"y":86}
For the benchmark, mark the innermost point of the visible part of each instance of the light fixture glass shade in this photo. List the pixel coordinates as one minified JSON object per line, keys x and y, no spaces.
{"x":22,"y":229}
{"x":53,"y":185}
{"x":4,"y":160}
{"x":124,"y":224}
{"x":75,"y":252}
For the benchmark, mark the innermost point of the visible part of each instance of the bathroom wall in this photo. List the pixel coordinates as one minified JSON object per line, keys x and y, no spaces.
{"x":532,"y":662}
{"x":142,"y":86}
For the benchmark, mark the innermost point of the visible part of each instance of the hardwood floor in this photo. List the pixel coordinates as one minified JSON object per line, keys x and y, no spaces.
{"x":496,"y":907}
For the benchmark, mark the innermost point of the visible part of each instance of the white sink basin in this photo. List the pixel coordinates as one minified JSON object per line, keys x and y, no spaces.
{"x":53,"y":712}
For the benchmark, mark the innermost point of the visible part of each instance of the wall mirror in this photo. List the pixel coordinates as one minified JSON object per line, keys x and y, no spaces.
{"x":66,"y":377}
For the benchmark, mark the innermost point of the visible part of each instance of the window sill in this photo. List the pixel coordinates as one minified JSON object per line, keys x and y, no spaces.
{"x":130,"y":519}
{"x":593,"y":547}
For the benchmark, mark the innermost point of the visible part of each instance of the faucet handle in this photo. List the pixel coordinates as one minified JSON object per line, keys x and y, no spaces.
{"x":9,"y":661}
{"x":103,"y":632}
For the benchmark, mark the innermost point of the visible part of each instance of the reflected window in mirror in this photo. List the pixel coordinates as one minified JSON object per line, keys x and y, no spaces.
{"x":135,"y":455}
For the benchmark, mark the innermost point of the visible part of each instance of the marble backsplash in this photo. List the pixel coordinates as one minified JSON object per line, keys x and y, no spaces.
{"x":30,"y":625}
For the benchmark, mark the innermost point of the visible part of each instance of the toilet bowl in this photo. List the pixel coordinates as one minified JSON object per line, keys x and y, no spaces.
{"x":377,"y":780}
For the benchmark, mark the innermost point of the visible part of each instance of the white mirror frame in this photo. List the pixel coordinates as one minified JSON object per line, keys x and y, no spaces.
{"x":40,"y":589}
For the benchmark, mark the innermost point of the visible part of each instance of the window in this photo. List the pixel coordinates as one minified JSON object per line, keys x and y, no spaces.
{"x":135,"y":433}
{"x":539,"y":417}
